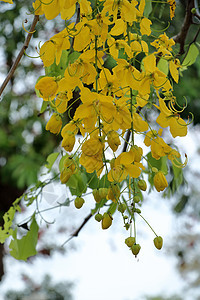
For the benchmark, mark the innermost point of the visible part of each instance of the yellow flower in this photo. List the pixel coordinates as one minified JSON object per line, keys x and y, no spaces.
{"x":160,"y":181}
{"x":83,"y":69}
{"x":61,"y":102}
{"x":122,"y":119}
{"x":127,"y":9}
{"x":113,"y":140}
{"x":50,"y":8}
{"x":139,"y":124}
{"x":92,"y":147}
{"x":109,"y":83}
{"x":128,"y":75}
{"x":174,"y":65}
{"x":47,"y":87}
{"x":94,"y":105}
{"x":53,"y":48}
{"x":68,"y":141}
{"x":172,"y":4}
{"x":8,"y":1}
{"x":153,"y":76}
{"x":92,"y":163}
{"x":138,"y":152}
{"x":178,"y":126}
{"x":54,"y":124}
{"x":144,"y":22}
{"x":116,"y":45}
{"x":123,"y":167}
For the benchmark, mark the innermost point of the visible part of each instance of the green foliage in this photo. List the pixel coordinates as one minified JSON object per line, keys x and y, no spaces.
{"x":58,"y":70}
{"x":51,"y":160}
{"x":25,"y":247}
{"x":191,"y":55}
{"x":77,"y":184}
{"x":8,"y":218}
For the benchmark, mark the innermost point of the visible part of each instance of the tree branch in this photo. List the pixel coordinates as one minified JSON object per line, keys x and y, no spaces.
{"x":181,"y":36}
{"x":21,"y":53}
{"x":76,"y":232}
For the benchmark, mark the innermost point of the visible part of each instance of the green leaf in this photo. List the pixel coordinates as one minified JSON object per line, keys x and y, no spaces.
{"x":179,"y":207}
{"x":44,"y":105}
{"x":73,"y":57}
{"x":26,"y":246}
{"x":112,"y":208}
{"x":148,"y":8}
{"x":163,"y":66}
{"x":61,"y":163}
{"x":51,"y":160}
{"x":58,"y":70}
{"x":177,"y":177}
{"x":191,"y":56}
{"x":77,"y":184}
{"x":8,"y":217}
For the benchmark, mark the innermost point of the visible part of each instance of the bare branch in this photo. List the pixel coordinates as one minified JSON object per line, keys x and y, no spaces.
{"x":21,"y":53}
{"x":181,"y":36}
{"x":76,"y":232}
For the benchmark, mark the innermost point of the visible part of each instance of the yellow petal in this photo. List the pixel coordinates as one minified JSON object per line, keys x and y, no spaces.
{"x":133,"y":170}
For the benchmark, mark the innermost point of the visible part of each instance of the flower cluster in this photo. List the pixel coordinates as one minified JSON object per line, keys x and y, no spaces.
{"x":115,"y":100}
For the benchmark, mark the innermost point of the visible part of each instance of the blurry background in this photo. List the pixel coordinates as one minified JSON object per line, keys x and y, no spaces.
{"x":96,"y":265}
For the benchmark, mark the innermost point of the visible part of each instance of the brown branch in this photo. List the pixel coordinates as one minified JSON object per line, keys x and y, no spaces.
{"x":76,"y":232}
{"x":181,"y":36}
{"x":21,"y":53}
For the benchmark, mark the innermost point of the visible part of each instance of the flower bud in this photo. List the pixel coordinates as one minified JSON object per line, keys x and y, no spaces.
{"x":158,"y":242}
{"x":106,"y":221}
{"x":69,"y":163}
{"x":113,"y":192}
{"x":96,"y":195}
{"x":136,"y":199}
{"x":130,"y":241}
{"x":65,"y":175}
{"x":135,"y":249}
{"x":160,"y":181}
{"x":121,"y":207}
{"x":98,"y":217}
{"x":142,"y":185}
{"x":78,"y":202}
{"x":103,"y":192}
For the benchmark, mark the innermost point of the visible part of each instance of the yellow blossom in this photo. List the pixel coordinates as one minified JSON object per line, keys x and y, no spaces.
{"x":178,"y":126}
{"x":113,"y":140}
{"x":68,"y":141}
{"x":47,"y":87}
{"x":94,"y":105}
{"x":54,"y":124}
{"x":153,"y":76}
{"x":8,"y":1}
{"x":123,"y":167}
{"x":172,"y":4}
{"x":53,"y":48}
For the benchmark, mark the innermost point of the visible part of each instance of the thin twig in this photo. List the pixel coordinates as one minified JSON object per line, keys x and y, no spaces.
{"x":76,"y":232}
{"x":21,"y":53}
